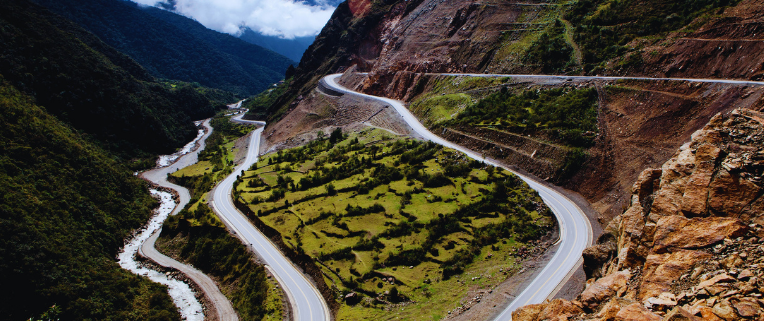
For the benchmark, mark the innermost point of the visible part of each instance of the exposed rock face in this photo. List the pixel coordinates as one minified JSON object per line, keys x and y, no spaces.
{"x":688,"y":246}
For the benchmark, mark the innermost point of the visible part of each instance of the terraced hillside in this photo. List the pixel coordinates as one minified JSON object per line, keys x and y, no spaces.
{"x":544,"y":129}
{"x":396,"y":221}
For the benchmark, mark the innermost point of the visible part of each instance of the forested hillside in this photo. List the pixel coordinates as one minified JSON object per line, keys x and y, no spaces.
{"x":243,"y":51}
{"x":72,"y":109}
{"x":80,"y":80}
{"x":66,"y":208}
{"x":212,"y":59}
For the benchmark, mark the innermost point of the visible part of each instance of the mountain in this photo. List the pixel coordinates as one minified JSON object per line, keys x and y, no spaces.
{"x":291,"y":48}
{"x":90,"y":85}
{"x":395,"y":42}
{"x":73,"y":112}
{"x":228,"y":43}
{"x":591,"y":137}
{"x":322,"y":3}
{"x":182,"y":50}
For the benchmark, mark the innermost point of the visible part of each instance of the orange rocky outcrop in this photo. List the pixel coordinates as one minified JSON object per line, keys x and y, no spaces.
{"x":688,"y":247}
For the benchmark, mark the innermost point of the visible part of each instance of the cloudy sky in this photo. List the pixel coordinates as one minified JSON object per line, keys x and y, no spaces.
{"x":282,"y":18}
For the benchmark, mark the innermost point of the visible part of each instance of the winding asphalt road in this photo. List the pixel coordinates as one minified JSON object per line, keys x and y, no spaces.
{"x":575,"y":230}
{"x":306,"y":302}
{"x":222,"y":305}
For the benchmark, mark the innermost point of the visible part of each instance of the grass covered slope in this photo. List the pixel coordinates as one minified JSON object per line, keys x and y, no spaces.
{"x":66,"y":208}
{"x":49,"y":58}
{"x":546,"y":130}
{"x":394,"y":221}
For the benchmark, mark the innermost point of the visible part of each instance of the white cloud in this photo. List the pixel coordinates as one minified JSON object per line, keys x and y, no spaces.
{"x":282,"y":18}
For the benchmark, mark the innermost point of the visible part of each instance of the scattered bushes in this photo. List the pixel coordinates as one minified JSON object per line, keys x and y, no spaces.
{"x":567,"y":116}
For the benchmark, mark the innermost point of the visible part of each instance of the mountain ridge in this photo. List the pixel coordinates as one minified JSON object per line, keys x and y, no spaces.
{"x":170,"y":52}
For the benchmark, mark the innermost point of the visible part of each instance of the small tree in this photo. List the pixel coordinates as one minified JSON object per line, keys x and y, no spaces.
{"x":289,"y":72}
{"x":336,"y":136}
{"x":330,"y":190}
{"x":394,"y":294}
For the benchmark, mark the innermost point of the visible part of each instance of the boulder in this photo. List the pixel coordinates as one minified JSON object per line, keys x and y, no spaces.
{"x":724,"y":310}
{"x":661,"y":270}
{"x":663,"y":302}
{"x":528,"y":312}
{"x":646,"y":184}
{"x":724,"y":277}
{"x":730,"y":193}
{"x":596,"y":257}
{"x":677,"y":232}
{"x":611,"y":308}
{"x":604,"y":288}
{"x":559,"y":309}
{"x":745,"y":274}
{"x":680,"y":314}
{"x":708,"y":314}
{"x":675,"y":173}
{"x":636,"y":312}
{"x":695,"y":195}
{"x":746,"y":307}
{"x":631,"y":237}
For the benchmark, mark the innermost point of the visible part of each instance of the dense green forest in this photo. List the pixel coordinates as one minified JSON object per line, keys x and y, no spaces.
{"x":91,"y":86}
{"x":291,"y":48}
{"x":66,"y":208}
{"x":175,"y":47}
{"x":74,"y":110}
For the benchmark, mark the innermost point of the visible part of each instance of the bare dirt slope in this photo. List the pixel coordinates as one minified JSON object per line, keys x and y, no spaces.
{"x":319,"y":112}
{"x":641,"y":125}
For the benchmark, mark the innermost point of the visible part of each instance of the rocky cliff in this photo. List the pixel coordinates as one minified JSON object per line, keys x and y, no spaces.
{"x":688,"y":246}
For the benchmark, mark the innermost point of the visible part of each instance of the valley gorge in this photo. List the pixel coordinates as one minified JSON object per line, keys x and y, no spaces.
{"x":374,"y":177}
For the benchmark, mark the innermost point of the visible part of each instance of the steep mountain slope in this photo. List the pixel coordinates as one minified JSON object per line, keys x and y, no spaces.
{"x":597,"y":148}
{"x":395,"y":42}
{"x":243,"y":52}
{"x":688,"y":246}
{"x":83,"y":87}
{"x":212,"y":59}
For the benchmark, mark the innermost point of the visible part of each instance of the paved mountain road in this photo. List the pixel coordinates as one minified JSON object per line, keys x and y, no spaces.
{"x":564,"y":78}
{"x":575,"y":231}
{"x":306,"y":302}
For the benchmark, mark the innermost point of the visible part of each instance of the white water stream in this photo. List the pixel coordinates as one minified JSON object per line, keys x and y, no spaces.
{"x":166,"y":160}
{"x":182,"y":294}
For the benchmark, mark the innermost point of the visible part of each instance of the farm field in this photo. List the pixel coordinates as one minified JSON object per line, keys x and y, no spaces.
{"x":396,"y":223}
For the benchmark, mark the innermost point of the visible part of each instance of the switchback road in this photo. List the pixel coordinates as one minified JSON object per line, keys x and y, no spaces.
{"x":575,"y":231}
{"x":306,"y":302}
